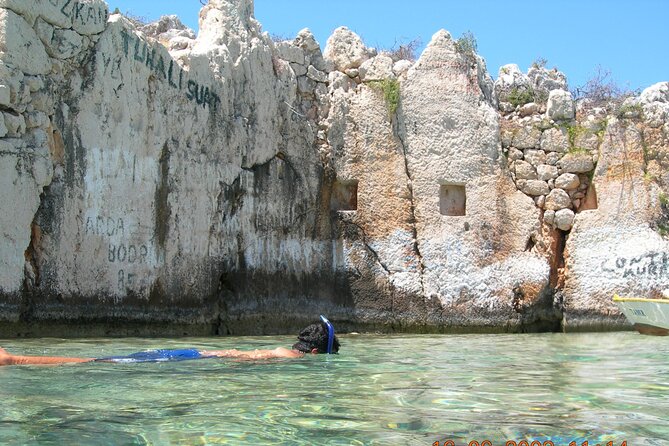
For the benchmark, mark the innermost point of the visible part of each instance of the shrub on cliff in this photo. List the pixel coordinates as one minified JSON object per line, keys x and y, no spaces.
{"x":403,"y":51}
{"x":391,"y":93}
{"x":466,"y":44}
{"x":520,"y":96}
{"x":602,"y":91}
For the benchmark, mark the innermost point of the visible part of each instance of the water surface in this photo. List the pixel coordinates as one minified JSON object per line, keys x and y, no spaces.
{"x":380,"y":390}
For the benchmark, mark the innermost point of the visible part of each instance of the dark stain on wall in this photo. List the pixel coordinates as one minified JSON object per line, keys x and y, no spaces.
{"x":162,"y":211}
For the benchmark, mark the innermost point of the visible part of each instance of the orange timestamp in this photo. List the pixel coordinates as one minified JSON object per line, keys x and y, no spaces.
{"x":528,"y":443}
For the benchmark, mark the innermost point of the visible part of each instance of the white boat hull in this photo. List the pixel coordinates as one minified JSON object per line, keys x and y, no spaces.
{"x":649,"y":316}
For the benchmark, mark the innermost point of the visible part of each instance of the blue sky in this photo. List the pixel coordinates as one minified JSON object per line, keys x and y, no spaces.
{"x":628,"y":38}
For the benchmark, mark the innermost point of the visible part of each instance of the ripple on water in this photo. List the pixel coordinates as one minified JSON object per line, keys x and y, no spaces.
{"x":380,"y":390}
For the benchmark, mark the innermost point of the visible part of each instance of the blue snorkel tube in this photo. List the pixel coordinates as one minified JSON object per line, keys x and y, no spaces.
{"x":331,"y":333}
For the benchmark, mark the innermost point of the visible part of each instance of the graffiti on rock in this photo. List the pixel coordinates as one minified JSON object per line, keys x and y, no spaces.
{"x":157,"y":60}
{"x":650,"y":265}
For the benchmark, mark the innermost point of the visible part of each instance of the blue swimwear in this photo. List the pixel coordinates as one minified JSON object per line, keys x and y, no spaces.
{"x":156,"y":356}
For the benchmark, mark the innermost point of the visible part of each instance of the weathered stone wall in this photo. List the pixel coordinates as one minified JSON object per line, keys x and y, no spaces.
{"x":154,"y":182}
{"x":598,"y":175}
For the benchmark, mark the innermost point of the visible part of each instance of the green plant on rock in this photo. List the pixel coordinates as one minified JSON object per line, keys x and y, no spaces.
{"x":466,"y":44}
{"x":541,"y":96}
{"x":664,"y":199}
{"x":648,"y":177}
{"x":391,"y":93}
{"x":635,"y":110}
{"x":573,"y":133}
{"x":577,"y":150}
{"x":520,"y":96}
{"x":663,"y":229}
{"x":601,"y":129}
{"x":539,"y":62}
{"x":662,"y":223}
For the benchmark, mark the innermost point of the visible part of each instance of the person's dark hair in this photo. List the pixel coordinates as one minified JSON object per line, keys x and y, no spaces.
{"x":315,"y":336}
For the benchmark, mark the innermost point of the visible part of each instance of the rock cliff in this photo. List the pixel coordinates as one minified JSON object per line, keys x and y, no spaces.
{"x":155,"y":182}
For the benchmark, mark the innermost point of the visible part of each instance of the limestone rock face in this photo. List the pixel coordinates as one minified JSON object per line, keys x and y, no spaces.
{"x":544,"y":80}
{"x":471,"y":255}
{"x":655,"y":93}
{"x":153,"y":182}
{"x":654,"y":101}
{"x":617,"y":246}
{"x":346,"y":50}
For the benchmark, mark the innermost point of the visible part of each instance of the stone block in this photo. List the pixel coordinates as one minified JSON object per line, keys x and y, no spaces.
{"x":546,"y":172}
{"x":16,"y":124}
{"x":3,"y":128}
{"x":377,"y":68}
{"x":555,"y":139}
{"x":28,"y":9}
{"x":576,"y":163}
{"x":534,"y":187}
{"x":316,"y":75}
{"x":524,"y":170}
{"x":89,"y":16}
{"x":557,"y":199}
{"x":20,"y":46}
{"x":65,"y":44}
{"x":527,"y":136}
{"x":291,"y":53}
{"x":299,"y":70}
{"x":564,"y":219}
{"x":345,"y":49}
{"x":567,"y":181}
{"x":534,"y":157}
{"x":560,"y":105}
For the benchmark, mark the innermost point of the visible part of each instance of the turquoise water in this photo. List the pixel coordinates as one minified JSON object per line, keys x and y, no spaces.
{"x":381,"y":390}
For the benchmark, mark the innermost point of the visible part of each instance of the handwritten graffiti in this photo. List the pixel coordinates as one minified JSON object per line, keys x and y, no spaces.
{"x":649,"y":265}
{"x":112,"y":231}
{"x":127,"y":253}
{"x":126,"y":280}
{"x":108,"y":226}
{"x":82,"y":13}
{"x":158,"y":61}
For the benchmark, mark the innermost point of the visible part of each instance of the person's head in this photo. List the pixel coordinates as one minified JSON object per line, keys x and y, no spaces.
{"x":314,"y":339}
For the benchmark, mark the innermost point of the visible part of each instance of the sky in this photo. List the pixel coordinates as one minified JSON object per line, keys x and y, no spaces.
{"x":628,"y":39}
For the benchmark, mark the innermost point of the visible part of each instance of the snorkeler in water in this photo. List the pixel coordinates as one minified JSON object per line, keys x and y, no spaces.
{"x":316,"y":338}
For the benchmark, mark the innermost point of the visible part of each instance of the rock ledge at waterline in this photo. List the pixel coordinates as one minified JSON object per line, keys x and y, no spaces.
{"x":158,"y":183}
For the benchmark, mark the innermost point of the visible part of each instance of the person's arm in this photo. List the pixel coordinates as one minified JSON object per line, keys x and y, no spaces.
{"x":279,"y":352}
{"x":9,"y":359}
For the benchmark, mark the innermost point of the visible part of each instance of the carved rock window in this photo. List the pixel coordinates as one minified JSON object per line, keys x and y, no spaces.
{"x":452,"y":199}
{"x":344,"y":195}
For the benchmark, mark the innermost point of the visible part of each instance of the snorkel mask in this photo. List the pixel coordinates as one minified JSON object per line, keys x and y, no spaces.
{"x":331,"y":333}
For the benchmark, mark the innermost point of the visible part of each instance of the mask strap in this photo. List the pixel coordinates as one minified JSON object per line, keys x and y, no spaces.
{"x":331,"y":332}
